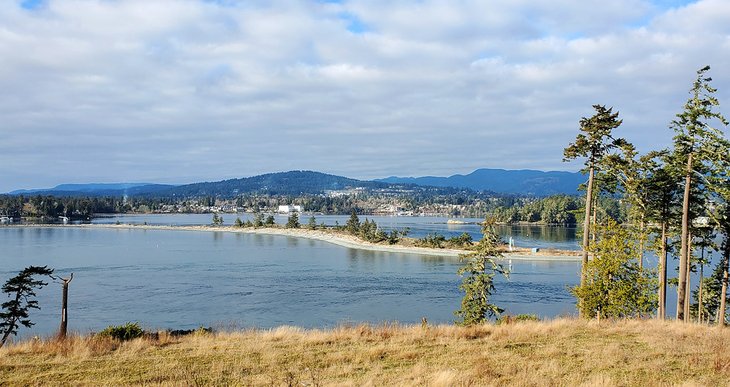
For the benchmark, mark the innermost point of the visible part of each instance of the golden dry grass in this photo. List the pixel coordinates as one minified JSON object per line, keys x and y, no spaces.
{"x":560,"y":352}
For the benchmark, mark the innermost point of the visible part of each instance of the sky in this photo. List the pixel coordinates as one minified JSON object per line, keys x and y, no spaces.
{"x":187,"y":91}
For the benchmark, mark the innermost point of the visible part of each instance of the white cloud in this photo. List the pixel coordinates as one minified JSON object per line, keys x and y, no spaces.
{"x":178,"y":91}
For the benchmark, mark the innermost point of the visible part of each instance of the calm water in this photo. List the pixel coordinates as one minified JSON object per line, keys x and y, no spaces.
{"x":184,"y":279}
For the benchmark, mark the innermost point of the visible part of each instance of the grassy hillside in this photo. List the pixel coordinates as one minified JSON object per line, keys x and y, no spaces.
{"x":561,"y":352}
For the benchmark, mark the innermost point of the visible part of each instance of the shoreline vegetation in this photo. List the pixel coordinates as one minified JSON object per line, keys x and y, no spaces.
{"x":508,"y":209}
{"x":554,"y":352}
{"x":337,"y":237}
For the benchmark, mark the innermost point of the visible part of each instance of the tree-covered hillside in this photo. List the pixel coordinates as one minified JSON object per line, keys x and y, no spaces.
{"x":517,"y":182}
{"x":281,"y":183}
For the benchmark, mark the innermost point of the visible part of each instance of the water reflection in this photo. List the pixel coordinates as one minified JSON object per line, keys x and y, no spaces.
{"x":292,"y":242}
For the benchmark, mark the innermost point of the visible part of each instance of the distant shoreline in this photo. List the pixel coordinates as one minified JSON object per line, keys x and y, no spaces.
{"x":329,"y":237}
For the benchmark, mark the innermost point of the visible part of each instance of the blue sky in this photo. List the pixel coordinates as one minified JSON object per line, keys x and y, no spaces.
{"x":31,"y":4}
{"x":183,"y":91}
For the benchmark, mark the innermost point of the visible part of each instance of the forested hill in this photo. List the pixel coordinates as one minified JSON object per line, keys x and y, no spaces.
{"x":96,"y":190}
{"x":292,"y":183}
{"x":487,"y":181}
{"x":281,"y":183}
{"x":519,"y":182}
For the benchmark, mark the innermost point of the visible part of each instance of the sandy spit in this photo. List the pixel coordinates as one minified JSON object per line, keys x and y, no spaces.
{"x":329,"y":237}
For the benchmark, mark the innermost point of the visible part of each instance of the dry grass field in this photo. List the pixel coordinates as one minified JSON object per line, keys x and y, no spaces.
{"x":561,"y":352}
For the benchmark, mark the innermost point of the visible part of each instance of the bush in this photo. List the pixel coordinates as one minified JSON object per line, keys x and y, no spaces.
{"x":395,"y":236}
{"x":463,"y":240}
{"x":435,"y":241}
{"x":513,"y":319}
{"x":200,"y":331}
{"x":124,"y":332}
{"x":527,"y":317}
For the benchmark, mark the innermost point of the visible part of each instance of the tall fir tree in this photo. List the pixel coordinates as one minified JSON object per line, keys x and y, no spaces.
{"x":594,"y":143}
{"x":697,"y":148}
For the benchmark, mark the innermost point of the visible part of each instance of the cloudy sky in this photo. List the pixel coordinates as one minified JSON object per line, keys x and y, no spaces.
{"x":185,"y":91}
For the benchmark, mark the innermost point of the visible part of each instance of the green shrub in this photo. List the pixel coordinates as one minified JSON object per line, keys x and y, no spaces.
{"x":463,"y":240}
{"x":124,"y":332}
{"x":507,"y":319}
{"x":435,"y":241}
{"x":395,"y":236}
{"x":527,"y":317}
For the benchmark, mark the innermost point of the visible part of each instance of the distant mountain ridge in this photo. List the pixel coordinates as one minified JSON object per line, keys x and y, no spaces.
{"x":96,"y":189}
{"x":520,"y":182}
{"x":499,"y":181}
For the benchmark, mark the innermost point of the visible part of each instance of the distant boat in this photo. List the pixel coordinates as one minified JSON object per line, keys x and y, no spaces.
{"x":6,"y":219}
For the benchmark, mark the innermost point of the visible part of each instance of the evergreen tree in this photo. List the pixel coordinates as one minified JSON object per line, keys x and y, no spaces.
{"x":478,"y":277}
{"x":616,"y":286}
{"x":594,"y":144}
{"x":711,"y":295}
{"x":723,"y":296}
{"x":21,"y":290}
{"x":258,"y":220}
{"x":369,"y":232}
{"x":663,"y":203}
{"x":238,"y":222}
{"x":724,"y":225}
{"x":270,"y":221}
{"x":697,"y":148}
{"x":293,"y":221}
{"x":312,"y":224}
{"x":353,"y":224}
{"x":217,"y":220}
{"x":633,"y":175}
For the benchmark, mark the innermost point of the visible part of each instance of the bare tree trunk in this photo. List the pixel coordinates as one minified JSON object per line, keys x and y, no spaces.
{"x":663,"y":274}
{"x":699,"y":295}
{"x":64,"y":307}
{"x":586,"y":230}
{"x":723,"y":292}
{"x":683,"y":257}
{"x":641,"y":243}
{"x":688,"y":289}
{"x":8,"y":330}
{"x":594,"y":216}
{"x":5,"y":338}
